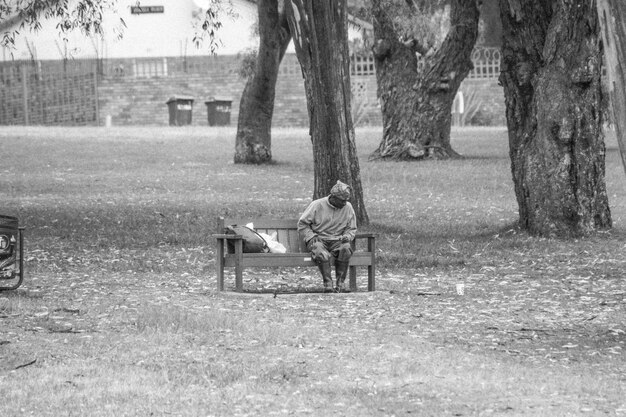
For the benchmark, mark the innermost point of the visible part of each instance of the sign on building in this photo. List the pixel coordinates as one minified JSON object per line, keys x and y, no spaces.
{"x":146,"y":9}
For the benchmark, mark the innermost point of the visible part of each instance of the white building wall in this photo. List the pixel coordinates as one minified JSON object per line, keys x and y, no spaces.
{"x":169,"y":33}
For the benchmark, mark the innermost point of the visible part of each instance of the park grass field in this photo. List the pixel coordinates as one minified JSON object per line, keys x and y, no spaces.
{"x":119,"y":313}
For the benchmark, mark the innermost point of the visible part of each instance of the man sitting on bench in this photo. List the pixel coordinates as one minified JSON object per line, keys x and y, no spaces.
{"x":328,"y":225}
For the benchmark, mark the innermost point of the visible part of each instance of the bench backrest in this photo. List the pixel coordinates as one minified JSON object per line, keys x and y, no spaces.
{"x":286,"y":230}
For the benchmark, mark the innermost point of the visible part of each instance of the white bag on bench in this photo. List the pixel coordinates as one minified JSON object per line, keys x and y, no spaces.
{"x":272,"y":243}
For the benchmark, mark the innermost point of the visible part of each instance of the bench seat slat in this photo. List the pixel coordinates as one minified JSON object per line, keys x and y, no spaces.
{"x":225,"y":236}
{"x":289,"y":259}
{"x":263,"y":223}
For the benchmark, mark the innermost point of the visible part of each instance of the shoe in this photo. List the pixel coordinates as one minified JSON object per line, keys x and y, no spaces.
{"x":341,"y":270}
{"x":324,"y":268}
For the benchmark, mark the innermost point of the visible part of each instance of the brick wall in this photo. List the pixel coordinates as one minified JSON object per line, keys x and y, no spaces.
{"x":135,"y":91}
{"x":131,"y":94}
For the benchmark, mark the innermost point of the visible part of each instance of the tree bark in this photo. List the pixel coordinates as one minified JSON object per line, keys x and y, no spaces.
{"x":551,"y":74}
{"x":253,"y":143}
{"x":612,"y":15}
{"x":319,"y":29}
{"x":416,"y":102}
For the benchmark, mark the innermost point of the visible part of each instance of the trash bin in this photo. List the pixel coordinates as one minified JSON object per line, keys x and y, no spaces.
{"x":218,"y":111}
{"x":11,"y":253}
{"x":180,"y":108}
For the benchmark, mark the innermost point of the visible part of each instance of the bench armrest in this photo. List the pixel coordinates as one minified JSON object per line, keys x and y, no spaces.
{"x":230,"y":237}
{"x":236,"y":240}
{"x":371,"y":241}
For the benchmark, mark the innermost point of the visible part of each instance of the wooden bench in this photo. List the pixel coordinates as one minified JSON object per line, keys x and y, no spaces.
{"x":297,"y":254}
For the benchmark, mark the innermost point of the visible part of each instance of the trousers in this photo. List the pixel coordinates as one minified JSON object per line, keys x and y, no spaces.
{"x":322,"y":250}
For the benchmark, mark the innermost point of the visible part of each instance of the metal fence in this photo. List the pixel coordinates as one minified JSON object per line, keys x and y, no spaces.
{"x":48,"y":93}
{"x":486,"y":62}
{"x":152,"y":67}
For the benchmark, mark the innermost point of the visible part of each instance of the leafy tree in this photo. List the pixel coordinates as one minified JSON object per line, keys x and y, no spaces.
{"x":253,"y":142}
{"x":319,"y":29}
{"x":85,"y":15}
{"x":419,"y":74}
{"x":612,"y":15}
{"x":551,"y":74}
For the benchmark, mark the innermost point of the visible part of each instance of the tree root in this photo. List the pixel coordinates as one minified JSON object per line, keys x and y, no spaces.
{"x":409,"y":153}
{"x":253,"y":153}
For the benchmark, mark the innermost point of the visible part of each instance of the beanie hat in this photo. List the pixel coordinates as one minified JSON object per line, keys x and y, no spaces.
{"x":340,"y":190}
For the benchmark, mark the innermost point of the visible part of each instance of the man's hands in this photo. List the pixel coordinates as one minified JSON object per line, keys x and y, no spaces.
{"x":342,"y":238}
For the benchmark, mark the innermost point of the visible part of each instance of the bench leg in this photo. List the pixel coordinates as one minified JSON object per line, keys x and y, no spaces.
{"x":371,"y":273}
{"x":238,"y":278}
{"x":219,"y":264}
{"x":238,"y":265}
{"x":371,"y":269}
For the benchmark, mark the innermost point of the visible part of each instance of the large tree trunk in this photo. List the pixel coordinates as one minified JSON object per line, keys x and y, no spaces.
{"x":612,"y":15}
{"x":551,"y":73}
{"x":319,"y":29}
{"x":416,"y":102}
{"x":254,"y":141}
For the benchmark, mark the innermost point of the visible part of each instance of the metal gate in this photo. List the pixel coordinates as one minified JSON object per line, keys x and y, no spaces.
{"x":49,"y":93}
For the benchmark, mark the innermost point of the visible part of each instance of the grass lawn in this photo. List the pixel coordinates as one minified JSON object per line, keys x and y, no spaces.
{"x":119,"y":313}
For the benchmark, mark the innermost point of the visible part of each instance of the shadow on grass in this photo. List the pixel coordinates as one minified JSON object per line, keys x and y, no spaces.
{"x":21,"y":293}
{"x":479,"y":158}
{"x":291,"y":291}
